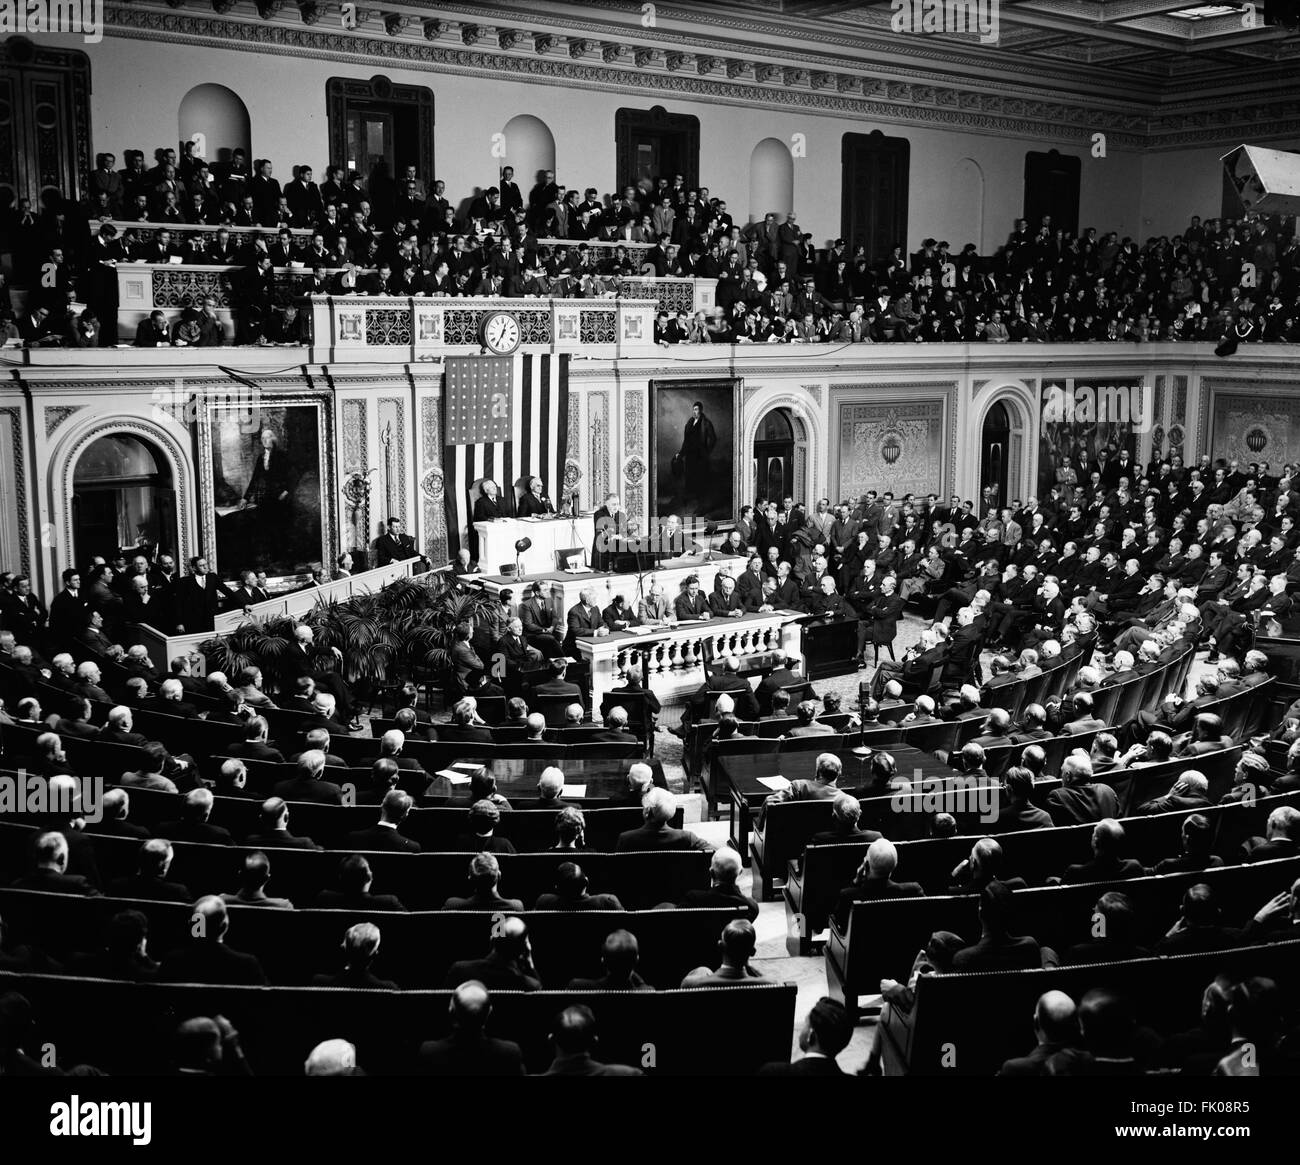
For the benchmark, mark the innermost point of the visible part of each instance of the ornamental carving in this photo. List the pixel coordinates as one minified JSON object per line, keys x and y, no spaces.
{"x":431,"y":484}
{"x":388,"y":326}
{"x":924,"y":102}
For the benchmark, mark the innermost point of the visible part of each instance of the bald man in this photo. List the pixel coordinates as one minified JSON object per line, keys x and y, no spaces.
{"x":1056,"y":1027}
{"x":619,"y":956}
{"x":1106,"y":865}
{"x":469,"y":1050}
{"x":737,"y":944}
{"x":508,"y":965}
{"x":332,"y":1058}
{"x":724,"y":870}
{"x":206,"y":958}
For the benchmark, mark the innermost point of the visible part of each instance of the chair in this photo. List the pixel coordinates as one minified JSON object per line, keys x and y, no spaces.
{"x":640,"y":719}
{"x":553,"y":708}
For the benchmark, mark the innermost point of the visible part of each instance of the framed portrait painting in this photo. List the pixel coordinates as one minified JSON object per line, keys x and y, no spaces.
{"x":693,"y":433}
{"x":265,"y":478}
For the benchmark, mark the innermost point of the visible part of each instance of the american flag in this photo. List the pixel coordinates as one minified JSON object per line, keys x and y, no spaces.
{"x":479,"y":404}
{"x":527,"y":437}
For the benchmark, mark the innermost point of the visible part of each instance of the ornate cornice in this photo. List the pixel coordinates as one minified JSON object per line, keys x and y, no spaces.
{"x":590,"y":64}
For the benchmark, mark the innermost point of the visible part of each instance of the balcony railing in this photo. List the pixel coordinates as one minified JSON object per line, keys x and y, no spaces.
{"x":612,"y":313}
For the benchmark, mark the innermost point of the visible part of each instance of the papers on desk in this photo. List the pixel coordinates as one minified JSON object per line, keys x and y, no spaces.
{"x":577,"y":792}
{"x":459,"y":773}
{"x":776,"y":784}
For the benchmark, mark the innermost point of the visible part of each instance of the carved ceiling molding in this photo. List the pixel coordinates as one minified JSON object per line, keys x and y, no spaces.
{"x":851,"y":95}
{"x":846,"y":48}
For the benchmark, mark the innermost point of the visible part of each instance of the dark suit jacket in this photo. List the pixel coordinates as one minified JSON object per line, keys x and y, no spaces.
{"x":279,"y":840}
{"x":721,"y":607}
{"x":149,"y":889}
{"x":475,"y":1055}
{"x":315,"y":791}
{"x":381,"y":838}
{"x":200,"y":831}
{"x":195,"y":607}
{"x":583,"y":621}
{"x":686,"y":607}
{"x":721,"y":896}
{"x":647,"y":837}
{"x":213,"y":962}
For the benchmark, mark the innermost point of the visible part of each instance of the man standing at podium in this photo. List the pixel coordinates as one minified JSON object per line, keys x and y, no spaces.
{"x":610,"y":521}
{"x":535,"y":503}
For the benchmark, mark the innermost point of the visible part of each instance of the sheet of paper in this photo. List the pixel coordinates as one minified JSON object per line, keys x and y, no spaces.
{"x":577,"y":792}
{"x":453,"y":777}
{"x":776,"y":784}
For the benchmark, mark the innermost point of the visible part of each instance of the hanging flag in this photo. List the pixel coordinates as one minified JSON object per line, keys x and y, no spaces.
{"x":505,"y":418}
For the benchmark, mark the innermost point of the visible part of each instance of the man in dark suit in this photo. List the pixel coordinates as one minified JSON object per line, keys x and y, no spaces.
{"x":557,"y":685}
{"x":383,"y":835}
{"x":998,"y":949}
{"x":781,"y":677}
{"x":691,"y":604}
{"x":49,"y":873}
{"x":149,"y":882}
{"x":658,"y":808}
{"x":308,"y":785}
{"x":69,"y":606}
{"x":878,"y":622}
{"x":534,"y":503}
{"x":1105,"y":865}
{"x":394,"y":546}
{"x":724,"y":870}
{"x":508,"y":965}
{"x":749,"y":587}
{"x":726,"y":603}
{"x":193,"y":824}
{"x":585,"y":620}
{"x":610,"y":523}
{"x":254,"y":745}
{"x":116,"y":806}
{"x":1056,"y":1029}
{"x":730,"y":681}
{"x":273,"y":829}
{"x":574,"y":1040}
{"x":207,"y":958}
{"x":355,"y":880}
{"x":874,"y":880}
{"x":197,"y":599}
{"x":489,"y":506}
{"x":469,"y":1050}
{"x":824,"y":1035}
{"x":619,"y":957}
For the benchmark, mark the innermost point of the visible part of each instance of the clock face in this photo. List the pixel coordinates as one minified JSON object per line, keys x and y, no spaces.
{"x":501,"y":332}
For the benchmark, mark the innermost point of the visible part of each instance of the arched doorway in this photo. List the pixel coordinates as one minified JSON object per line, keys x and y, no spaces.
{"x":771,"y":180}
{"x":780,"y":463}
{"x":530,"y":149}
{"x":217,"y":118}
{"x":123,"y":498}
{"x":995,"y":450}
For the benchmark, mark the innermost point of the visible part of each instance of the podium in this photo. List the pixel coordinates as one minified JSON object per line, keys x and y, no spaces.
{"x":496,"y":542}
